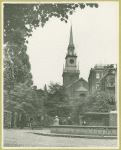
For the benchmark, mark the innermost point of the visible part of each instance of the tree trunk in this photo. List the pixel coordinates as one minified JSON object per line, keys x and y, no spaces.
{"x":17,"y":122}
{"x":12,"y":119}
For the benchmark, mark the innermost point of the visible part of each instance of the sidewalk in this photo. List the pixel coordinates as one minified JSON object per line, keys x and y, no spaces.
{"x":47,"y":132}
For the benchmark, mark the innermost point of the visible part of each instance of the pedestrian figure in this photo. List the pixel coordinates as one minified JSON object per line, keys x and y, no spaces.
{"x":65,"y":122}
{"x":56,"y":121}
{"x":60,"y":121}
{"x":84,"y":122}
{"x":69,"y":121}
{"x":31,"y":123}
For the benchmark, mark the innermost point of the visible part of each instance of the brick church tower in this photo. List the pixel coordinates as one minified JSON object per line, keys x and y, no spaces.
{"x":70,"y":71}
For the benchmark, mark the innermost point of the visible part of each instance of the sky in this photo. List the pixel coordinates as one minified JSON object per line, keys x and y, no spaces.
{"x":95,"y":36}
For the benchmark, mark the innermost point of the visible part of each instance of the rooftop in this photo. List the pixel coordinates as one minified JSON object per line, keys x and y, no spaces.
{"x":99,"y":66}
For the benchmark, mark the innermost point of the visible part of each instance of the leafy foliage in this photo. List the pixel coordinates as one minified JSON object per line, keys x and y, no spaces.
{"x":77,"y":110}
{"x":16,"y":64}
{"x":100,"y":103}
{"x":21,"y":99}
{"x":57,"y":102}
{"x":25,"y":17}
{"x":17,"y":77}
{"x":104,"y":103}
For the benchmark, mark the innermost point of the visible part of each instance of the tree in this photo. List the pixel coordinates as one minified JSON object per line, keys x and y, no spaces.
{"x":104,"y":103}
{"x":21,"y":100}
{"x":18,"y":93}
{"x":77,"y":110}
{"x":57,"y":102}
{"x":25,"y":17}
{"x":99,"y":103}
{"x":16,"y":64}
{"x":16,"y":67}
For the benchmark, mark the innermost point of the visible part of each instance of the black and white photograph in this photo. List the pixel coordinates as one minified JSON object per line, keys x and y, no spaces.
{"x":60,"y":75}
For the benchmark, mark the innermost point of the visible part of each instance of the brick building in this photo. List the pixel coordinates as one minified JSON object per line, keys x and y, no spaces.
{"x":102,"y":78}
{"x":107,"y":82}
{"x":95,"y":75}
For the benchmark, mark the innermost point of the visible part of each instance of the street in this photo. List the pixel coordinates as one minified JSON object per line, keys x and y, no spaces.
{"x":27,"y":138}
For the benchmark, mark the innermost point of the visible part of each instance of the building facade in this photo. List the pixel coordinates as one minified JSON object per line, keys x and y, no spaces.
{"x":108,"y":83}
{"x":95,"y":75}
{"x":103,"y":79}
{"x":78,"y":89}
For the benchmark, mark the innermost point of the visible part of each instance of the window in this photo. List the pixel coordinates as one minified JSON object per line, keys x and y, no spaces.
{"x":97,"y":86}
{"x":82,"y":95}
{"x":97,"y":76}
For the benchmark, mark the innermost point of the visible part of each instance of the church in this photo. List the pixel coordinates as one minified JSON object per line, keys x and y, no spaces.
{"x":76,"y":87}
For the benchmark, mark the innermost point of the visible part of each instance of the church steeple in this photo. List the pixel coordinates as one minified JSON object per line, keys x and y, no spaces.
{"x":70,"y":72}
{"x":71,"y":44}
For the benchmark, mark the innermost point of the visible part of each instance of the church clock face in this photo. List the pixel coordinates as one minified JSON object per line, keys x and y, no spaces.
{"x":71,"y":61}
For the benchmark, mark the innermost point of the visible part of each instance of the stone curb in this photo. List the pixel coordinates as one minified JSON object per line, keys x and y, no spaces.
{"x":75,"y":136}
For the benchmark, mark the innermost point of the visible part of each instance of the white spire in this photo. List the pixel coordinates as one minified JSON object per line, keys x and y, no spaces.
{"x":71,"y":37}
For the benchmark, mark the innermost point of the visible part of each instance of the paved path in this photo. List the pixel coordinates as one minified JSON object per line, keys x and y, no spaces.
{"x":27,"y":138}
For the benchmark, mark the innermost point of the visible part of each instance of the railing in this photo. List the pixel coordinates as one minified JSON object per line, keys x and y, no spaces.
{"x":7,"y":119}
